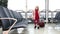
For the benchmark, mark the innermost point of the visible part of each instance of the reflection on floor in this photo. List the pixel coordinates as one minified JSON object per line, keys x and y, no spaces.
{"x":48,"y":29}
{"x":0,"y":30}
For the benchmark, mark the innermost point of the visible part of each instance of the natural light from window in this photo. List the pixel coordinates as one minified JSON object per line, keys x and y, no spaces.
{"x":54,"y":4}
{"x":21,"y":4}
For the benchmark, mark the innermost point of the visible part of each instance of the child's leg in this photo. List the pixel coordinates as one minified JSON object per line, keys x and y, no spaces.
{"x":38,"y":24}
{"x":35,"y":24}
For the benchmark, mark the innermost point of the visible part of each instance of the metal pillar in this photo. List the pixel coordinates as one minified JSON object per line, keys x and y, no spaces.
{"x":26,"y":10}
{"x":47,"y":9}
{"x":52,"y":16}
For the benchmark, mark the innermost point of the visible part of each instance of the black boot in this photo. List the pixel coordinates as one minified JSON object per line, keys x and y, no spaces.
{"x":35,"y":27}
{"x":38,"y":27}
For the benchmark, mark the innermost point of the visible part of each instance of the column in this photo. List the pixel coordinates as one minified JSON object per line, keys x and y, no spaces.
{"x":47,"y":9}
{"x":26,"y":10}
{"x":52,"y":16}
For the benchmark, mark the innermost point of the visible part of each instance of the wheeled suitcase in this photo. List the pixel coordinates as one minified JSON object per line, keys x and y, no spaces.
{"x":41,"y":24}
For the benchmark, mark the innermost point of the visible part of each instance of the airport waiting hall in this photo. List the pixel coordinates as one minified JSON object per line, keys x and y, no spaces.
{"x":16,"y":17}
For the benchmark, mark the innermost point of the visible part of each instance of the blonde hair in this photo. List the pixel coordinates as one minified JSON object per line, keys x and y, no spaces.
{"x":37,"y":7}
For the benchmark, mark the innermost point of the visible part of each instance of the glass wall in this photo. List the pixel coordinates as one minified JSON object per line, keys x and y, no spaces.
{"x":54,"y":5}
{"x":31,"y":4}
{"x":49,"y":14}
{"x":21,"y":4}
{"x":17,"y":5}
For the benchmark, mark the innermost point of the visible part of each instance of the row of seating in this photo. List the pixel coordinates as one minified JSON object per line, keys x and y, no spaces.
{"x":9,"y":17}
{"x":57,"y":17}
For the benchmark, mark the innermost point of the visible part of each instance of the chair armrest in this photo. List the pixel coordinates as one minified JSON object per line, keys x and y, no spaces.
{"x":6,"y":18}
{"x":9,"y":19}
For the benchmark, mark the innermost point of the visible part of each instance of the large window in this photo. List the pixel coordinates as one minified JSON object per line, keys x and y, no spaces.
{"x":21,"y":4}
{"x":54,"y":4}
{"x":17,"y":4}
{"x":29,"y":15}
{"x":49,"y":15}
{"x":54,"y":14}
{"x":33,"y":3}
{"x":42,"y":15}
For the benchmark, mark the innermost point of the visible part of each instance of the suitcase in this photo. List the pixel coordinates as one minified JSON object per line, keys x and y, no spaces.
{"x":41,"y":24}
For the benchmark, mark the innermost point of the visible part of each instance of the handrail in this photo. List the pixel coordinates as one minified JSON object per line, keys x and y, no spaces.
{"x":6,"y":32}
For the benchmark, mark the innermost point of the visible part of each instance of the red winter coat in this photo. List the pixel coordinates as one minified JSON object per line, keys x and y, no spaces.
{"x":36,"y":16}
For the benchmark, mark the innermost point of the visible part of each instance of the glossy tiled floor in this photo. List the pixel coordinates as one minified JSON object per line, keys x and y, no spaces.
{"x":0,"y":30}
{"x":48,"y":29}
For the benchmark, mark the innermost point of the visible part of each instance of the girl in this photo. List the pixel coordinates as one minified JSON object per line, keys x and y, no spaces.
{"x":36,"y":17}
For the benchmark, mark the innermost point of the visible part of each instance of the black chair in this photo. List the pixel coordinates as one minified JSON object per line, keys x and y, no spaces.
{"x":21,"y":23}
{"x":6,"y":10}
{"x":3,"y":15}
{"x":57,"y":17}
{"x":5,"y":18}
{"x":20,"y":14}
{"x":0,"y":23}
{"x":23,"y":19}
